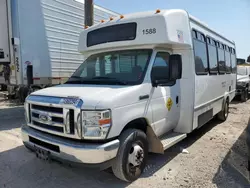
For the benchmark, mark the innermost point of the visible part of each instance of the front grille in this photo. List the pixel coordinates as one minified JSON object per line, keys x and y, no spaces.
{"x":57,"y":119}
{"x":49,"y":127}
{"x":47,"y":108}
{"x":54,"y":118}
{"x":52,"y":115}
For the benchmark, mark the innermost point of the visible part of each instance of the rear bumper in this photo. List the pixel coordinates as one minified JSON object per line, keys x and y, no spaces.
{"x":70,"y":150}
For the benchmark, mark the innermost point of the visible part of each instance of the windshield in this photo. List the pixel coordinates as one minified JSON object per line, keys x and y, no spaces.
{"x":126,"y":67}
{"x":242,"y":71}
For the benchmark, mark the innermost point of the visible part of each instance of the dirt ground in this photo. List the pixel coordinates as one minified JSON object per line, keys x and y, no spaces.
{"x":216,"y":157}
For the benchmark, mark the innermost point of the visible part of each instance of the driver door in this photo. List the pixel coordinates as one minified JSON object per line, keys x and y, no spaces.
{"x":165,"y":101}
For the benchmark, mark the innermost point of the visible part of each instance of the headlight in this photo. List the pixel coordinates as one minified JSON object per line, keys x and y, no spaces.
{"x":26,"y":112}
{"x":95,"y":124}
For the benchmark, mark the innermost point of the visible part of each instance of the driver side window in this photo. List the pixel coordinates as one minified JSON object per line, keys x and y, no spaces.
{"x":160,"y":69}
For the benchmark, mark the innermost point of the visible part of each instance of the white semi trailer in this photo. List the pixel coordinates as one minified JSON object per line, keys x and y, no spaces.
{"x":40,"y":38}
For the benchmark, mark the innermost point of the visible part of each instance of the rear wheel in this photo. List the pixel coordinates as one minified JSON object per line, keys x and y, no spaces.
{"x":132,"y":155}
{"x":222,"y":115}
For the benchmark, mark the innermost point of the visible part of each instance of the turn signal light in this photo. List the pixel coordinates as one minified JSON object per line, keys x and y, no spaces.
{"x":121,"y":16}
{"x":102,"y":21}
{"x":157,"y":11}
{"x":104,"y":121}
{"x":86,"y":27}
{"x":111,"y":18}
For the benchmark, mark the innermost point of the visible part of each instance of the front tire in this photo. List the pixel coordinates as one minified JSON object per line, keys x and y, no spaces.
{"x":132,"y":155}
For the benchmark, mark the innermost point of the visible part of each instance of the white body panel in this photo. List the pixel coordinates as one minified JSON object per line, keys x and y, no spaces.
{"x":4,"y":32}
{"x":211,"y":90}
{"x":55,"y":25}
{"x":196,"y":94}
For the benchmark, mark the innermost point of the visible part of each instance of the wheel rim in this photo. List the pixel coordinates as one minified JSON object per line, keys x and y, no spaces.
{"x":135,"y":159}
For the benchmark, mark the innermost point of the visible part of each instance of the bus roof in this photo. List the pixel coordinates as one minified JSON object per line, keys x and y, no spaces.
{"x":170,"y":27}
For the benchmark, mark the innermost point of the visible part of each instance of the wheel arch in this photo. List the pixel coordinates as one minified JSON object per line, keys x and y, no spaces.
{"x":155,"y":145}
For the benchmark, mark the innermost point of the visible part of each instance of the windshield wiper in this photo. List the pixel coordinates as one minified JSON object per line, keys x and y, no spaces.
{"x":95,"y":80}
{"x":110,"y":79}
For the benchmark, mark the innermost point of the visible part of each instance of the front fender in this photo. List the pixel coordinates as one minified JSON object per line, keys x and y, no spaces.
{"x":121,"y":116}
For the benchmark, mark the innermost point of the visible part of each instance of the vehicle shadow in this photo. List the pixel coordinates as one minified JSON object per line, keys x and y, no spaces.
{"x":236,"y":100}
{"x":233,"y":170}
{"x":19,"y":168}
{"x":157,"y":161}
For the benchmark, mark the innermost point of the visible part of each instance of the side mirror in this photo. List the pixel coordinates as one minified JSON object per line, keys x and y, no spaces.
{"x":159,"y":75}
{"x":175,"y":65}
{"x":156,"y":83}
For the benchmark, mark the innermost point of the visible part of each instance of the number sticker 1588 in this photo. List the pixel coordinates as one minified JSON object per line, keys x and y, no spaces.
{"x":149,"y":31}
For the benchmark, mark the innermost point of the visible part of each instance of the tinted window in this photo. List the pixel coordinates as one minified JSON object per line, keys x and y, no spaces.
{"x":233,"y":62}
{"x":194,"y":34}
{"x":160,"y":68}
{"x":128,"y":66}
{"x":214,"y":42}
{"x":221,"y":60}
{"x":228,"y":62}
{"x":203,"y":38}
{"x":212,"y":56}
{"x":120,"y":32}
{"x":208,"y":40}
{"x":200,"y":52}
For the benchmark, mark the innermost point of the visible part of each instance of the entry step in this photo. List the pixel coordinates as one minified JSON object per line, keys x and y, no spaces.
{"x":171,"y":139}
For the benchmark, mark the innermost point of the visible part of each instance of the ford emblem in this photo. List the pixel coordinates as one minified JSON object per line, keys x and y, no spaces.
{"x":44,"y":117}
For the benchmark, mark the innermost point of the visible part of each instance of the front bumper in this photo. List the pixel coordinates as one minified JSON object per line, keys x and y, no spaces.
{"x":239,"y":89}
{"x":70,"y":150}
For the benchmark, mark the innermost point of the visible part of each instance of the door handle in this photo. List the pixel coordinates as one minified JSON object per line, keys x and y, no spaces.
{"x":177,"y":99}
{"x":143,"y":97}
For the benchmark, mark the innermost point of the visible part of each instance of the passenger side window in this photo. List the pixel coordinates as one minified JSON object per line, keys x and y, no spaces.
{"x":233,"y":61}
{"x":212,"y":56}
{"x":221,"y":59}
{"x":228,"y":60}
{"x":200,"y":53}
{"x":160,"y":69}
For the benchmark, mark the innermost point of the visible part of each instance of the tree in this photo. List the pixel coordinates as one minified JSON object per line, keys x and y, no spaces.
{"x":248,"y":59}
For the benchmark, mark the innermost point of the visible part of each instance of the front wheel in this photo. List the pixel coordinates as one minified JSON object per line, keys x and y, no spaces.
{"x":132,"y":155}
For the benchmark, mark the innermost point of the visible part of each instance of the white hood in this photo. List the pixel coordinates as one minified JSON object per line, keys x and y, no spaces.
{"x":241,"y":78}
{"x":96,"y":96}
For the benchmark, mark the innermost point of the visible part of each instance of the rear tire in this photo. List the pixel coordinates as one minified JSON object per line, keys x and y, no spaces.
{"x":132,"y":155}
{"x":23,"y":93}
{"x":222,"y":115}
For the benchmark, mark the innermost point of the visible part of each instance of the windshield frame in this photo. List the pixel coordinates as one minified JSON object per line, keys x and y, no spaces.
{"x":110,"y":81}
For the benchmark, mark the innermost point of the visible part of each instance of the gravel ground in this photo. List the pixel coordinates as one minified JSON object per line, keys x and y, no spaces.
{"x":216,"y":158}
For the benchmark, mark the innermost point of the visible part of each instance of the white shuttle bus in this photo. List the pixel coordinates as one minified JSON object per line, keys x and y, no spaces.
{"x":148,"y":80}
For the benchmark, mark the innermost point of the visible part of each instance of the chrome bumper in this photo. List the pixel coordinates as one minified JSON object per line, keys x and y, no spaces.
{"x":70,"y":150}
